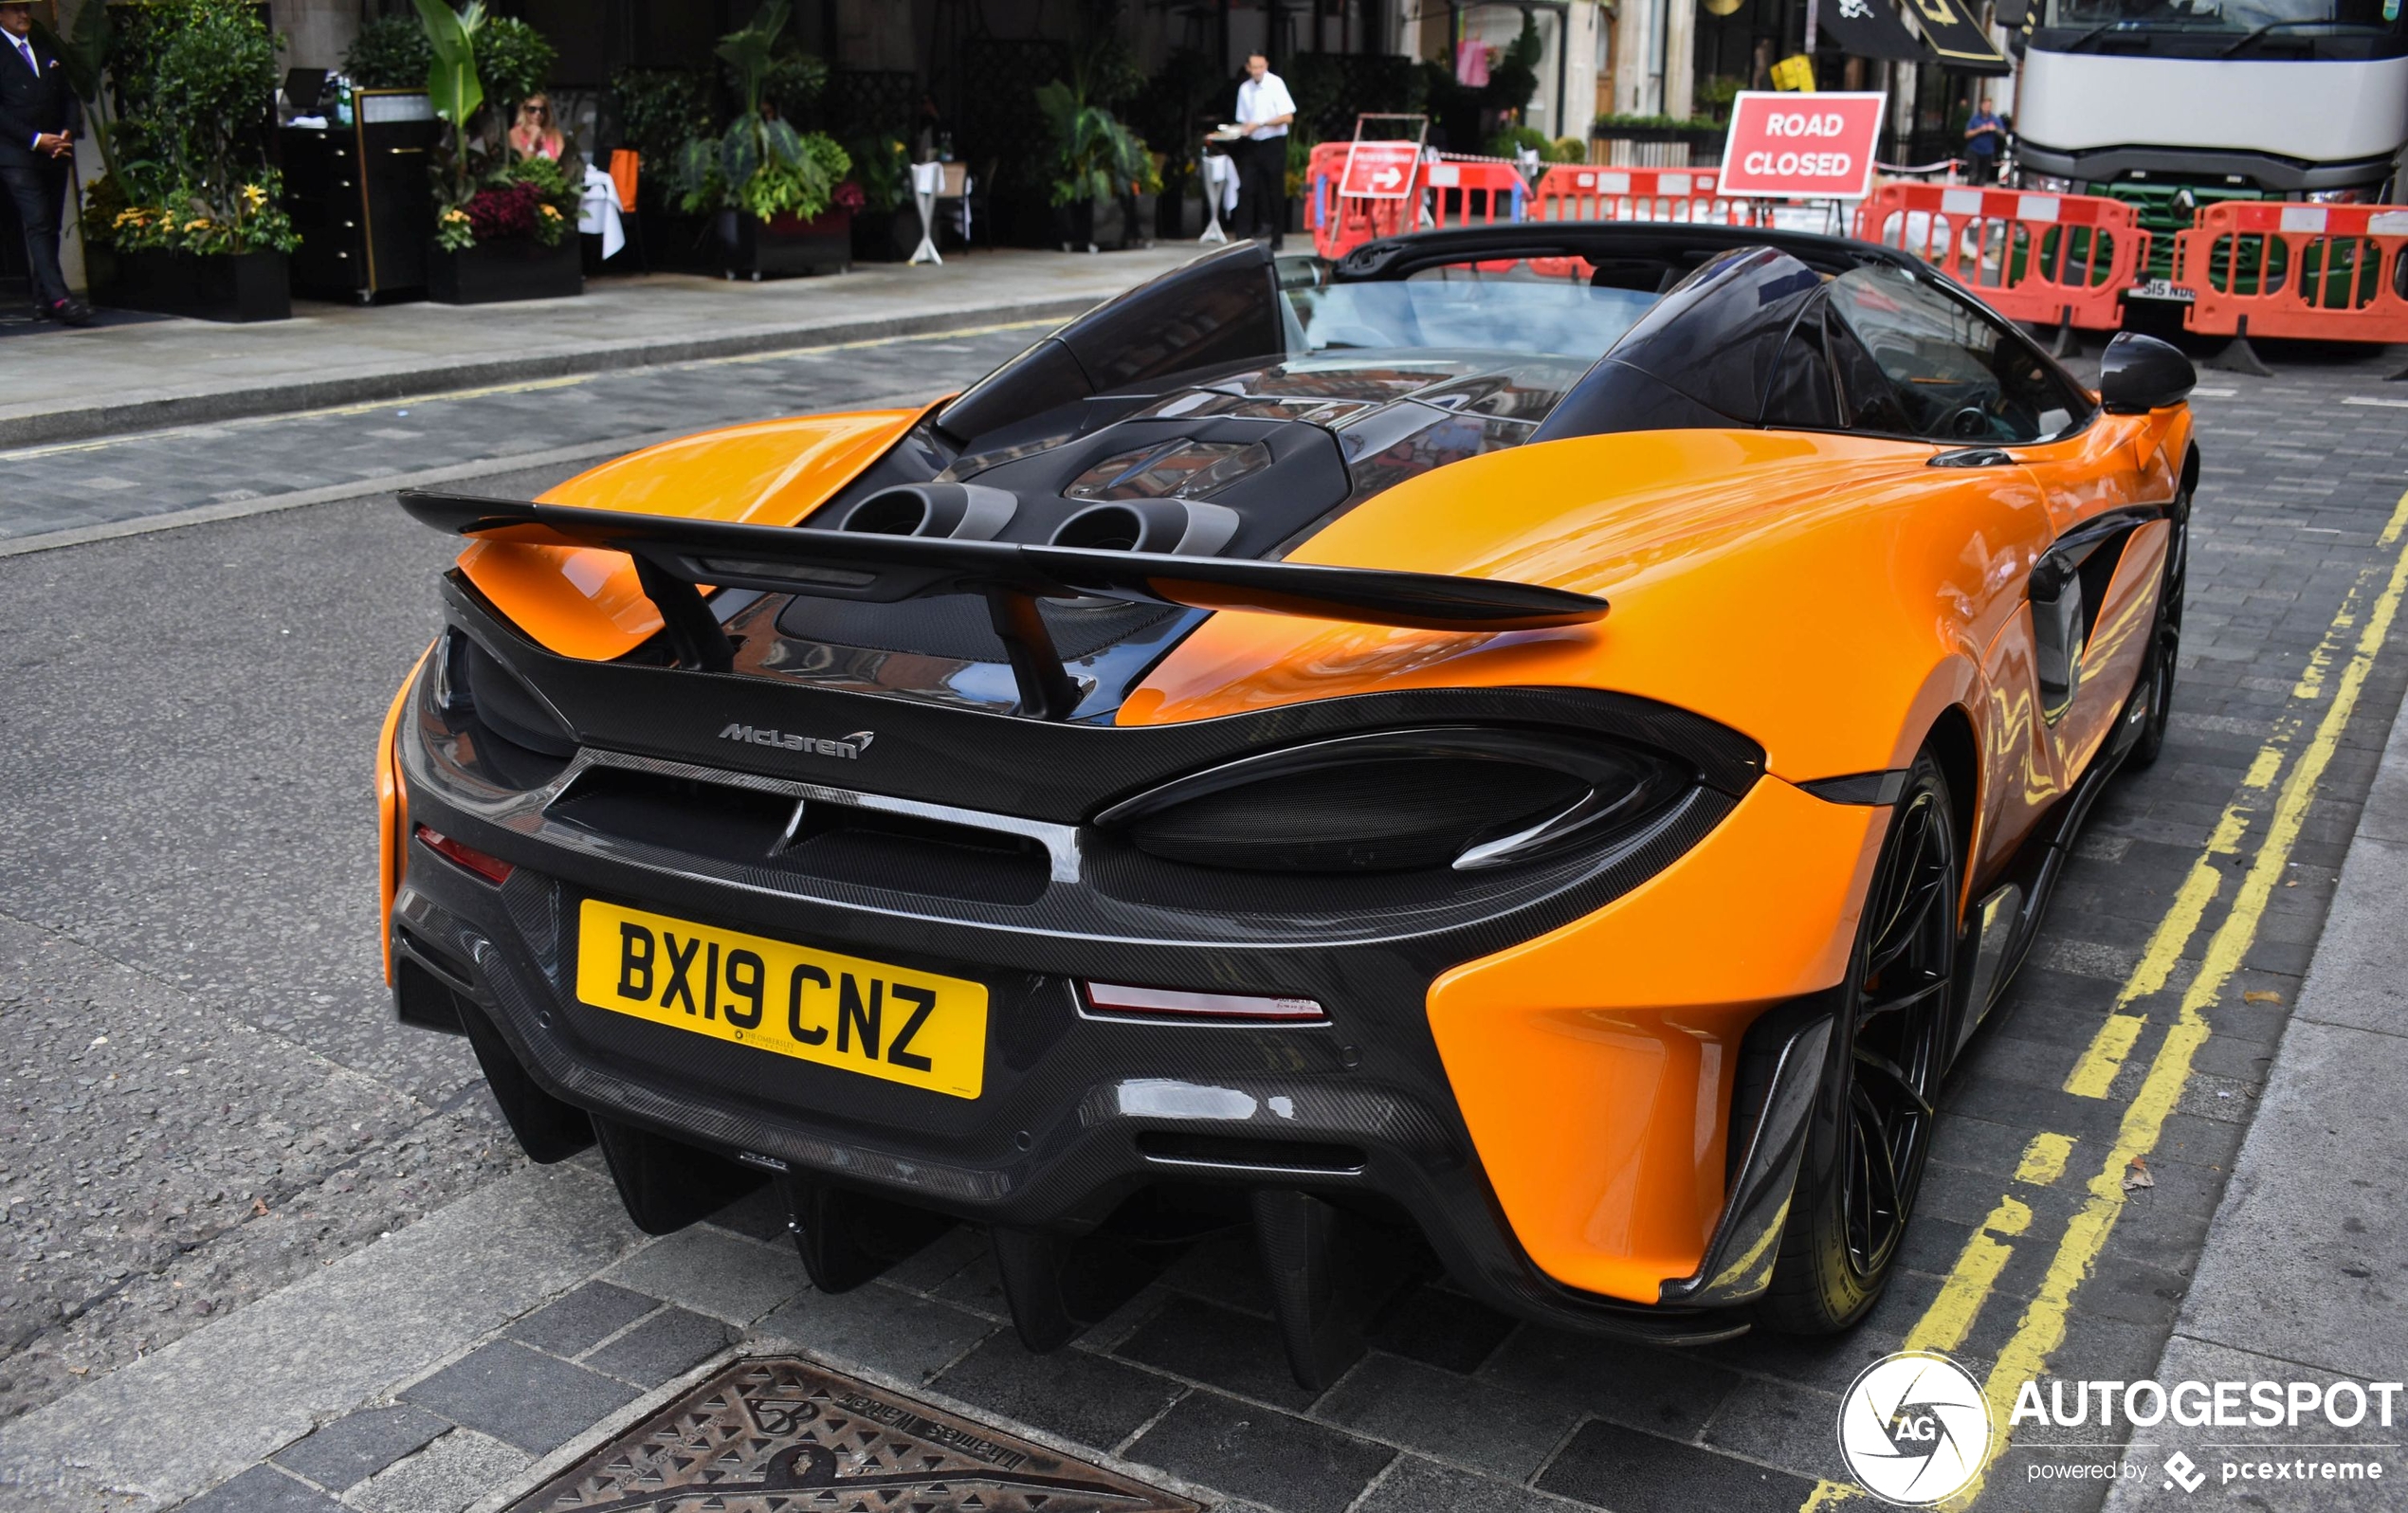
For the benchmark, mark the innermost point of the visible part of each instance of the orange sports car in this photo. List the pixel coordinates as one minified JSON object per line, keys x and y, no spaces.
{"x":1549,"y":737}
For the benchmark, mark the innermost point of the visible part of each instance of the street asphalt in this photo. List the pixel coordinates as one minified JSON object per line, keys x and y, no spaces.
{"x":241,"y":1205}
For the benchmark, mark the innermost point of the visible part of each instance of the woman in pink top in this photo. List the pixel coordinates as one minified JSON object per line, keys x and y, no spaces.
{"x":534,"y":135}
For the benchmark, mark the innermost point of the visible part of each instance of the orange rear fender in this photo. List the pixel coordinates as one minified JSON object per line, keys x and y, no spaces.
{"x":1594,"y":1064}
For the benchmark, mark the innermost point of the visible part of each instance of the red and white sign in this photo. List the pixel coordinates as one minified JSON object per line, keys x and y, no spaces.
{"x":1799,"y":146}
{"x":1379,"y":171}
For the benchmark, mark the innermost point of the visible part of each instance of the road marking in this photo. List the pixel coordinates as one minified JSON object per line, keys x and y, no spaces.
{"x":2386,"y":404}
{"x":2044,"y":1160}
{"x":2042,"y":1329}
{"x":2043,"y":1325}
{"x":1950,"y":1318}
{"x":2093,"y":1074}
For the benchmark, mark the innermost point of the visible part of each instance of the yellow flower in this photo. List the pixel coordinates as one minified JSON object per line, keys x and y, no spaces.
{"x":256,"y":195}
{"x":552,"y":211}
{"x":198,"y":223}
{"x":455,"y":215}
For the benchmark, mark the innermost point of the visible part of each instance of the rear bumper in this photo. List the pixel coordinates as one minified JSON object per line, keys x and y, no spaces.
{"x":1077,"y":1112}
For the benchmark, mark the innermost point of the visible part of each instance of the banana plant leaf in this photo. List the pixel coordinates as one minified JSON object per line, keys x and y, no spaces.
{"x":452,"y":86}
{"x":751,"y":50}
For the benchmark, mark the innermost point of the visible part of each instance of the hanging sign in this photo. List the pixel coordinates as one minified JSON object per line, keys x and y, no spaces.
{"x":1808,"y":147}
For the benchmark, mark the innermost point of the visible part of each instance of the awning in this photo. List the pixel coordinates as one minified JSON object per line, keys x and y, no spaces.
{"x":1869,"y":28}
{"x":1951,"y":37}
{"x":1957,"y":38}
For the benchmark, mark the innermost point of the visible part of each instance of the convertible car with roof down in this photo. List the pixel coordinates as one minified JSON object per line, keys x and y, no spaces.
{"x":1527,"y":750}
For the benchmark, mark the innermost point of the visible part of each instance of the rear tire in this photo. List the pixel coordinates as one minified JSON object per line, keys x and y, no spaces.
{"x":1872,"y":1133}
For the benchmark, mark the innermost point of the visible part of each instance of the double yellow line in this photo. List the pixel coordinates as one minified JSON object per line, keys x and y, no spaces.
{"x":2042,"y":1329}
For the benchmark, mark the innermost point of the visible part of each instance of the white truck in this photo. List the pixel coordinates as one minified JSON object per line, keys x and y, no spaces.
{"x":2173,"y":104}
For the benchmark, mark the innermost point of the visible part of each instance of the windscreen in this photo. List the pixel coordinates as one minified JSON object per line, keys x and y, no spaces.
{"x":2213,"y":15}
{"x":1545,"y":305}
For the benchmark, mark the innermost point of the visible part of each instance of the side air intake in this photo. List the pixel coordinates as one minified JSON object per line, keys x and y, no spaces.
{"x":1174,"y":527}
{"x":964,"y":512}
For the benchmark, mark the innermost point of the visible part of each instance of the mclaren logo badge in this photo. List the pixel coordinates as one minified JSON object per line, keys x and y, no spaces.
{"x":850,"y":747}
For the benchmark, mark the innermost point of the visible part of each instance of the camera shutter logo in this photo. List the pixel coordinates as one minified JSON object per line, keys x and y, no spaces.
{"x":1914,"y":1427}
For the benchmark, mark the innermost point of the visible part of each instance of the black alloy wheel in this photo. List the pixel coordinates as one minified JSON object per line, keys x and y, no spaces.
{"x":2166,"y":643}
{"x":1866,"y":1149}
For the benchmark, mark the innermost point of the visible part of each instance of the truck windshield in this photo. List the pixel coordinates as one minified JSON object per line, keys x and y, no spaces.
{"x":2214,"y":15}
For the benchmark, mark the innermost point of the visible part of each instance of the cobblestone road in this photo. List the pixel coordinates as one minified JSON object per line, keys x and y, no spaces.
{"x":203,"y":1102}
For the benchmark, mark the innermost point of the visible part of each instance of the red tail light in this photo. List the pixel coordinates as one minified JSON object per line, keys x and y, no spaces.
{"x":492,"y":868}
{"x":1170,"y":1003}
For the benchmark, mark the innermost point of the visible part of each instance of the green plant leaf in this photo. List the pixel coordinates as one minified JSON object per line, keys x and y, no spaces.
{"x":452,"y":86}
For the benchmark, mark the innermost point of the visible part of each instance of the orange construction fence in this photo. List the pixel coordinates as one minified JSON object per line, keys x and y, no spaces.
{"x":1583,"y":191}
{"x":2267,"y":268}
{"x":1471,"y":194}
{"x":2062,"y":260}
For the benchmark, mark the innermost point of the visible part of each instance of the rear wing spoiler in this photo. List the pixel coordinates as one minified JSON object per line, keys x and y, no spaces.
{"x":673,"y":556}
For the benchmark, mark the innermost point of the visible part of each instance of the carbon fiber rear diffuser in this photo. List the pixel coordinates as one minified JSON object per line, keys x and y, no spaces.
{"x":782,"y":1435}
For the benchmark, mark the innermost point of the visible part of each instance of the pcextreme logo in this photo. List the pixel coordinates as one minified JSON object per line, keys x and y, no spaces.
{"x":1914,"y":1427}
{"x":850,"y":747}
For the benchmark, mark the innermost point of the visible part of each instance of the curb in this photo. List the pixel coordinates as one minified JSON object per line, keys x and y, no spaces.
{"x":268,"y":399}
{"x":369,"y":487}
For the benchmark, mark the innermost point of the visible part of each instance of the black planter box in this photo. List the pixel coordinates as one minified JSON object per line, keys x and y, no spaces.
{"x":886,"y":236}
{"x":754,"y":248}
{"x":508,"y":268}
{"x":241,"y":286}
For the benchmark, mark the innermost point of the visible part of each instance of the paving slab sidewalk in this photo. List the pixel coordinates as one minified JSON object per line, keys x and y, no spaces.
{"x":58,"y":385}
{"x":2305,"y":1273}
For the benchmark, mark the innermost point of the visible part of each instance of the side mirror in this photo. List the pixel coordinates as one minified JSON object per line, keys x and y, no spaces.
{"x":2140,"y":374}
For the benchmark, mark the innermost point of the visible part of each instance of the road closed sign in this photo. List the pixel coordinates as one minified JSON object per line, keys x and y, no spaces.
{"x":1379,"y":171}
{"x":1809,"y":147}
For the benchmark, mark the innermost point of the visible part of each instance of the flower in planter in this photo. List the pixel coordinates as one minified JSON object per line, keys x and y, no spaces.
{"x":185,"y":171}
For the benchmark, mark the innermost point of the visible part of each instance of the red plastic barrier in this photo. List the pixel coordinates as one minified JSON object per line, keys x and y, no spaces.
{"x":1341,"y":223}
{"x":2325,"y":272}
{"x":1471,"y":194}
{"x":2046,"y":258}
{"x":1583,"y":192}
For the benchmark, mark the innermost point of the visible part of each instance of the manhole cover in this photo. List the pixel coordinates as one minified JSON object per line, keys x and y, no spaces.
{"x":782,"y":1435}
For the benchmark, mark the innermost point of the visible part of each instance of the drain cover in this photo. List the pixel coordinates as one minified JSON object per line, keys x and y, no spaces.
{"x":783,"y":1436}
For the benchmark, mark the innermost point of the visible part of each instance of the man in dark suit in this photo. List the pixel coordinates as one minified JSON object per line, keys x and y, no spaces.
{"x":39,"y":117}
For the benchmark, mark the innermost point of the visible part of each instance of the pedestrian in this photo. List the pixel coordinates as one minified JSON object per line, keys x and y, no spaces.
{"x":39,"y":117}
{"x":1265,"y":109}
{"x":1984,"y":135}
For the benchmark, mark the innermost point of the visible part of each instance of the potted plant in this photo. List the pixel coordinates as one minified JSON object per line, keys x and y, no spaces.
{"x":779,"y":196}
{"x":886,"y":224}
{"x":502,"y":223}
{"x":1098,"y":169}
{"x":188,"y":216}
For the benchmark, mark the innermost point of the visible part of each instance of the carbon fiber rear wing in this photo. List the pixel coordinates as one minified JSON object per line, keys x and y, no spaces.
{"x":673,"y":556}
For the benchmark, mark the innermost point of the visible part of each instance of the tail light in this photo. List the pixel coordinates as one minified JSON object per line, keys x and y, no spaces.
{"x":492,"y":868}
{"x":1467,"y":798}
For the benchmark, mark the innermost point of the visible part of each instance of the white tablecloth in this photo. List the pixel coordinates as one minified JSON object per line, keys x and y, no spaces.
{"x":599,"y":211}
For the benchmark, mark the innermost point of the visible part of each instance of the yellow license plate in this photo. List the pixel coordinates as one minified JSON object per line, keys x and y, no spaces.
{"x":907,"y":1027}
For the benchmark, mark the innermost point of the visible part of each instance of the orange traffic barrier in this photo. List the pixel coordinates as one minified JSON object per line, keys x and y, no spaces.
{"x":2267,"y":268}
{"x":1341,"y":223}
{"x":1583,"y":192}
{"x":1472,"y":193}
{"x":2061,"y":259}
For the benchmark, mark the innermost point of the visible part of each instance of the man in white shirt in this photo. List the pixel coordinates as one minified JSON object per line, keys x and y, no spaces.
{"x":1265,"y":109}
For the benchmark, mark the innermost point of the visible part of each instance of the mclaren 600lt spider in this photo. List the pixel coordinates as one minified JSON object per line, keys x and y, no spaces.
{"x":1529,"y":748}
